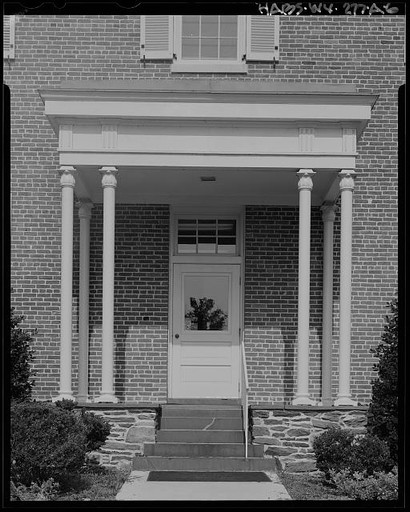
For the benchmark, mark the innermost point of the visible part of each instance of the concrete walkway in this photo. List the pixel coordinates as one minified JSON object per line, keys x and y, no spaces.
{"x":137,"y":488}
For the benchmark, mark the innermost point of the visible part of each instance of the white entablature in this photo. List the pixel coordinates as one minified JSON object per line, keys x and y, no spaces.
{"x":174,"y":125}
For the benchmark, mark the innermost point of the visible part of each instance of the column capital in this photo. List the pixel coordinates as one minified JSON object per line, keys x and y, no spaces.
{"x":346,"y":179}
{"x":305,"y":179}
{"x":84,"y":209}
{"x":328,"y":210}
{"x":67,"y":175}
{"x":108,"y":176}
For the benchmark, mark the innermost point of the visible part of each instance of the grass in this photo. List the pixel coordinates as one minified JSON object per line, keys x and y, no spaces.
{"x":309,"y":487}
{"x":93,"y":484}
{"x":98,"y":483}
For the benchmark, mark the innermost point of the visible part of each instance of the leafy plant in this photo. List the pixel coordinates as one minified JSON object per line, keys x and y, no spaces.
{"x":46,"y":491}
{"x":383,"y":410}
{"x":21,"y":357}
{"x":46,"y":442}
{"x":205,"y":317}
{"x":360,"y":486}
{"x":96,"y":430}
{"x":332,"y":450}
{"x":340,"y":449}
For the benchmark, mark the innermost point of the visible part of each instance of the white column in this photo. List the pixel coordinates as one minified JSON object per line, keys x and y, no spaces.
{"x":67,"y":182}
{"x":346,"y":198}
{"x":109,"y":184}
{"x":84,"y":213}
{"x":305,"y":186}
{"x":328,"y":217}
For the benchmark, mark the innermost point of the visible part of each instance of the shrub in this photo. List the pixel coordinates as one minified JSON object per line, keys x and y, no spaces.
{"x":332,"y":450}
{"x":383,"y":410}
{"x":337,"y":450}
{"x":370,"y":454}
{"x":21,"y":356}
{"x":46,"y":442}
{"x":360,"y":486}
{"x":96,"y":429}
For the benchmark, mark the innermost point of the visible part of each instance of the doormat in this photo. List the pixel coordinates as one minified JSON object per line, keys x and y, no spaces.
{"x":207,"y":476}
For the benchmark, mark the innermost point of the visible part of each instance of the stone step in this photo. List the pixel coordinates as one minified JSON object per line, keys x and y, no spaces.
{"x":199,"y":411}
{"x":204,"y":401}
{"x":198,"y":423}
{"x":200,"y":436}
{"x":201,"y":450}
{"x":152,"y":463}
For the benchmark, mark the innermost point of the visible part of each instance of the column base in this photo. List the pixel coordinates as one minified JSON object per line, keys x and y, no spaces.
{"x":64,"y":396}
{"x":106,"y":398}
{"x":303,"y":400}
{"x":81,"y":399}
{"x":326,"y":402}
{"x":345,"y":400}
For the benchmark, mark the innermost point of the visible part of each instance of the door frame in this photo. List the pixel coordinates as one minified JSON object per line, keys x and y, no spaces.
{"x":175,"y":212}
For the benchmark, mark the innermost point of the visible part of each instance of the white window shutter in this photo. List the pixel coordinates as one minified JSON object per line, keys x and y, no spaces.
{"x":8,"y":37}
{"x":262,"y":38}
{"x":157,"y":37}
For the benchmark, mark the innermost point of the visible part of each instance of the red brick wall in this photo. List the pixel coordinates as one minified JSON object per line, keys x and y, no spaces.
{"x":271,"y":301}
{"x":362,"y":50}
{"x":140,"y":302}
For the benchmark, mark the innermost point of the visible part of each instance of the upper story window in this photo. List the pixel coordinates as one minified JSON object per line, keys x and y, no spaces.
{"x":209,"y":38}
{"x":210,"y":43}
{"x":8,"y":36}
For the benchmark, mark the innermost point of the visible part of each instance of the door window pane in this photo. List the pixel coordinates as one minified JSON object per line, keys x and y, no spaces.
{"x":206,"y":301}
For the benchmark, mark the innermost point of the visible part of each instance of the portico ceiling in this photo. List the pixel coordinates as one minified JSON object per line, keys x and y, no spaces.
{"x":249,"y":138}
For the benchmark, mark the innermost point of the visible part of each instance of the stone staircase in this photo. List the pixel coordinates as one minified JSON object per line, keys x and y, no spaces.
{"x":202,"y":435}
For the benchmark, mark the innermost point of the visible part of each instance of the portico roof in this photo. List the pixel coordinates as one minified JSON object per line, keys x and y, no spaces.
{"x":164,"y":135}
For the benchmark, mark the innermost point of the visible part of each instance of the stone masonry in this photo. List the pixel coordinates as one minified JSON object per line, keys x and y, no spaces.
{"x":130,"y":429}
{"x":288,"y":434}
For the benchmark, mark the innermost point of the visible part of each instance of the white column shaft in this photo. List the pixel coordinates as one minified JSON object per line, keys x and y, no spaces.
{"x":83,"y":320}
{"x":346,"y":187}
{"x":327,"y":324}
{"x":109,"y":183}
{"x":305,"y":186}
{"x":67,"y":183}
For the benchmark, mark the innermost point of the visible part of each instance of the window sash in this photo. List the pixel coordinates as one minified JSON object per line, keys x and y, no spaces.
{"x":204,"y":235}
{"x":203,"y":62}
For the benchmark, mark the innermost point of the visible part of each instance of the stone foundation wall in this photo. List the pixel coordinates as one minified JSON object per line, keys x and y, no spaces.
{"x":288,"y":434}
{"x":130,"y":429}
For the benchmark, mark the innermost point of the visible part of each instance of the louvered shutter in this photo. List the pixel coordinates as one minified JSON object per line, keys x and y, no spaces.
{"x":262,"y":38}
{"x":8,"y":37}
{"x":157,"y":37}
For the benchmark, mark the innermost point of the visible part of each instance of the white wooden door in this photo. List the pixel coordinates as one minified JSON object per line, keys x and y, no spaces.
{"x":205,"y":337}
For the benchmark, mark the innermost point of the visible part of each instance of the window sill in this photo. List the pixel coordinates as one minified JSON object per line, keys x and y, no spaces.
{"x":217,"y":67}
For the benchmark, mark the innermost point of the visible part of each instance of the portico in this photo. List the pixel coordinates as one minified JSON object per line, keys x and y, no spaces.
{"x":263,"y":144}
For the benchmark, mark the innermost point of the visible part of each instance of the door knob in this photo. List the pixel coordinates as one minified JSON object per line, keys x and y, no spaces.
{"x":176,"y":336}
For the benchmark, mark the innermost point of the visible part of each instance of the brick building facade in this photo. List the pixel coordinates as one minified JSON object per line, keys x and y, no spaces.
{"x":204,"y":145}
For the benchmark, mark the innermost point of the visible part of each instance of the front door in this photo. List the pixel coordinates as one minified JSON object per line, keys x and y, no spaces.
{"x":205,"y":337}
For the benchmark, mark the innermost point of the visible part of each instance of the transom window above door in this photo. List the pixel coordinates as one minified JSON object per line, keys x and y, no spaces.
{"x":207,"y":236}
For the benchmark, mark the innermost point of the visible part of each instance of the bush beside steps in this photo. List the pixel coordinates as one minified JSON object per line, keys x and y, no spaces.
{"x":49,"y":442}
